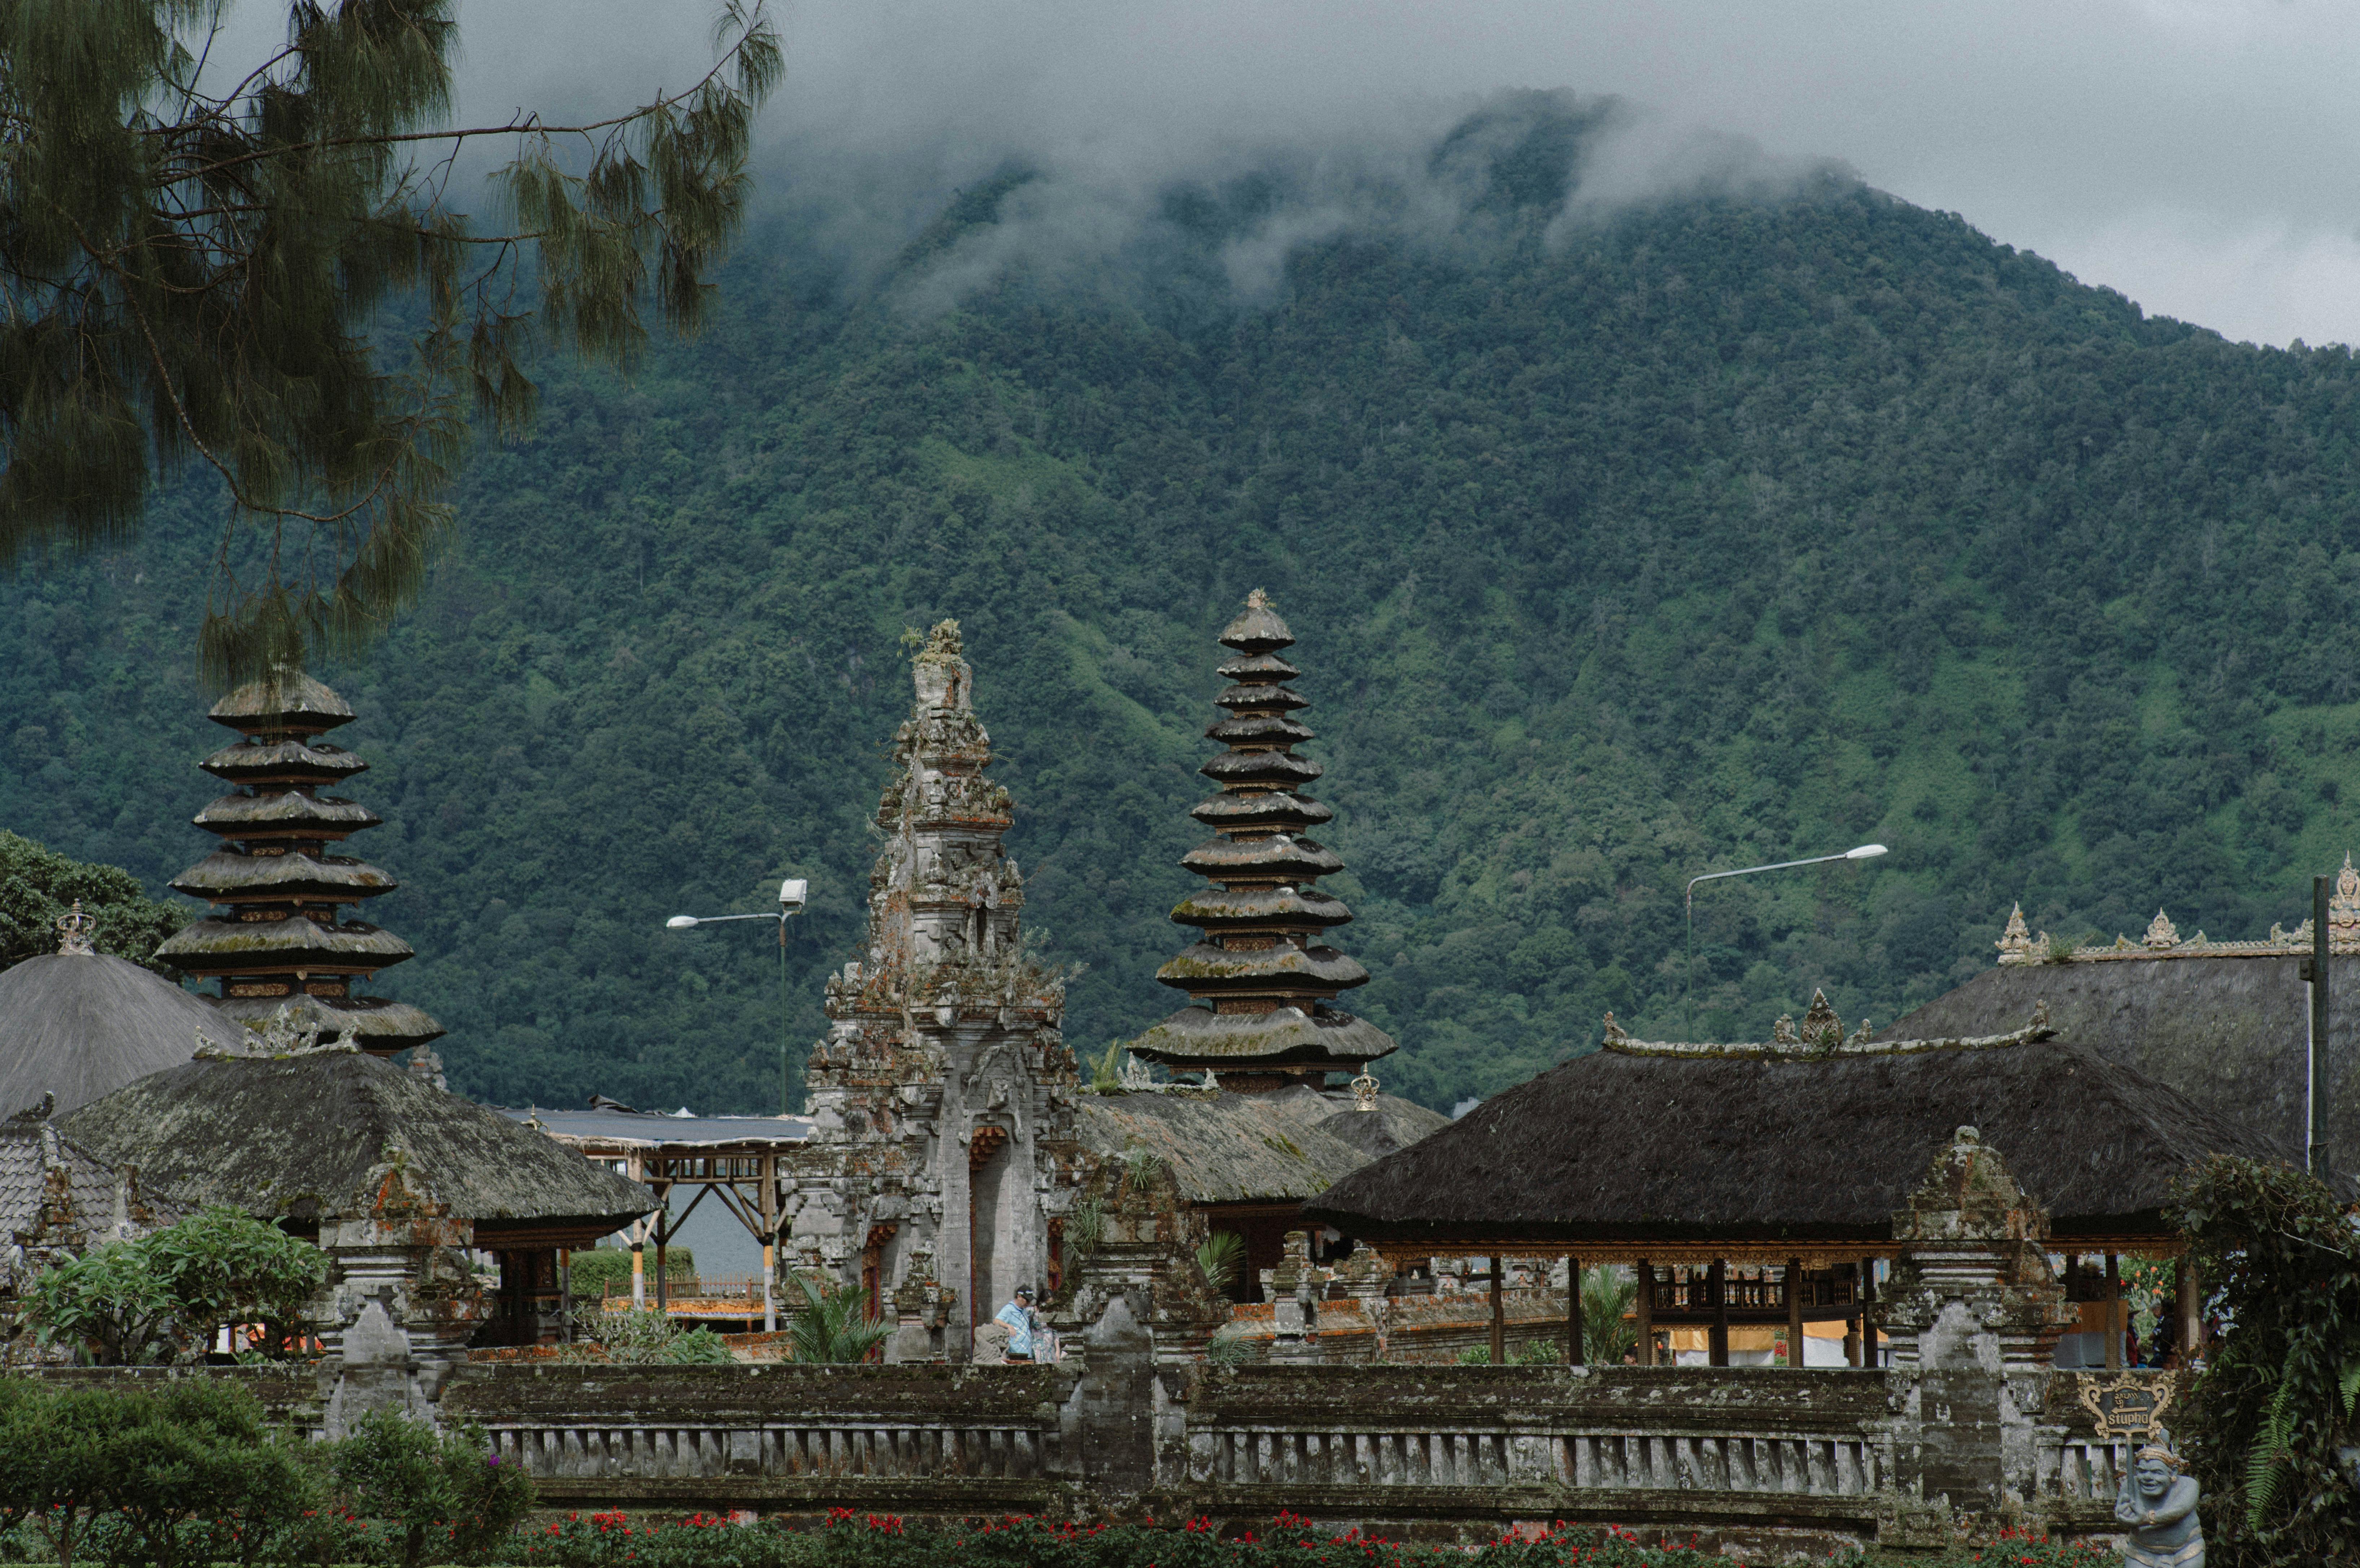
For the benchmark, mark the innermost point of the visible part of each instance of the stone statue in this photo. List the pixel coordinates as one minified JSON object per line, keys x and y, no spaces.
{"x":2159,"y":1502}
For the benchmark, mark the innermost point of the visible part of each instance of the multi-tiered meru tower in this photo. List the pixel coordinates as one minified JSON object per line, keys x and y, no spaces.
{"x":277,"y":936}
{"x":1262,"y":980}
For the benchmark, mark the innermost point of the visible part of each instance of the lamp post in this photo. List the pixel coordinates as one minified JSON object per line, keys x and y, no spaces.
{"x":1866,"y":852}
{"x":793,"y":893}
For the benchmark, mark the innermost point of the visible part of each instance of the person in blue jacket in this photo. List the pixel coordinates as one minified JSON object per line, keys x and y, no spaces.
{"x":1022,"y":1322}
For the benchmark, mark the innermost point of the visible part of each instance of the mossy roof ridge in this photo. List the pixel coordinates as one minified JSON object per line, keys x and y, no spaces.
{"x":1613,"y":1146}
{"x":299,"y":1136}
{"x":1226,"y":1148}
{"x":2226,"y":1031}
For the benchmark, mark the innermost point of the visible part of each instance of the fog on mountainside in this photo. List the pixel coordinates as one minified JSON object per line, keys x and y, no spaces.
{"x":1624,"y":540}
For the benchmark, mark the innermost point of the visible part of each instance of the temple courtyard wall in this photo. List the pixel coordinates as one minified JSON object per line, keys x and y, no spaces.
{"x":1767,"y":1461}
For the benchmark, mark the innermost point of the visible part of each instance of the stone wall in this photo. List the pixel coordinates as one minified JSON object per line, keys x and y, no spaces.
{"x":1765,"y":1460}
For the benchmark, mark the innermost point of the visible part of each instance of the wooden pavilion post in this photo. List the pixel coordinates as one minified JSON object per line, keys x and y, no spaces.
{"x":2186,"y":1298}
{"x":663,"y":1238}
{"x":1573,"y":1347}
{"x":770,"y":1169}
{"x":1794,"y":1312}
{"x":1855,"y":1319}
{"x":1645,"y":1303}
{"x":2113,"y":1313}
{"x":565,"y":1295}
{"x":1499,"y":1315}
{"x":1716,"y":1283}
{"x":1867,"y":1319}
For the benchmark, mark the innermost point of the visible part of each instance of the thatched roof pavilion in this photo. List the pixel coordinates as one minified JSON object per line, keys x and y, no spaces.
{"x":304,"y":1137}
{"x":77,"y":1024}
{"x":1794,"y":1148}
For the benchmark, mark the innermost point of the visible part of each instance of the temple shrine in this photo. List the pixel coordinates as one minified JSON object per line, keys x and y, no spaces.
{"x":1261,"y":980}
{"x":278,"y":935}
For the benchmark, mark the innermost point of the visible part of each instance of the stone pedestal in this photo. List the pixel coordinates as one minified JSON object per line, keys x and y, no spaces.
{"x":402,"y":1301}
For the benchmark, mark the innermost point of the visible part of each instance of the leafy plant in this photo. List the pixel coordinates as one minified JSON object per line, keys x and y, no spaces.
{"x":833,"y":1324}
{"x":146,"y":203}
{"x":195,"y":1479}
{"x":700,"y":1347}
{"x":644,"y":1336}
{"x":1231,"y":1348}
{"x":109,"y":1304}
{"x":58,"y":1458}
{"x":127,"y":1303}
{"x":1106,"y":1070}
{"x":1606,"y":1293}
{"x":2277,"y":1399}
{"x":224,"y":1266}
{"x":1221,"y":1258}
{"x":1140,"y":1166}
{"x":1085,"y":1230}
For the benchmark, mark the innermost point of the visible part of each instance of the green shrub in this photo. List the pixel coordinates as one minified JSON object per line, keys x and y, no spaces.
{"x":167,"y":1294}
{"x":599,"y":1268}
{"x":650,"y":1338}
{"x":443,"y":1490}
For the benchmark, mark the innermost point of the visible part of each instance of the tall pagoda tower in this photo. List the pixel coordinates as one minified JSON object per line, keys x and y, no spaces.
{"x":277,"y":935}
{"x":1261,"y":980}
{"x":942,"y":1155}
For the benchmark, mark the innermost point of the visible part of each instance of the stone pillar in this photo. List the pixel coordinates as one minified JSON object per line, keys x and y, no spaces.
{"x":1973,"y":1313}
{"x":402,"y":1301}
{"x":1295,"y":1309}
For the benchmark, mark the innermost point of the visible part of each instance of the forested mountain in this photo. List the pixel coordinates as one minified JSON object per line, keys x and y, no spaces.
{"x":1713,"y":531}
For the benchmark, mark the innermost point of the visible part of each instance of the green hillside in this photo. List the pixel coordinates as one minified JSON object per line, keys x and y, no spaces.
{"x":1717,"y":532}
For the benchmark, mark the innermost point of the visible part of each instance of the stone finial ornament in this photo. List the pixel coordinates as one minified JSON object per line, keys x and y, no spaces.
{"x":2157,"y":1499}
{"x":2015,"y":943}
{"x":2343,"y":907}
{"x":2160,"y":932}
{"x":73,"y":933}
{"x":1821,"y":1029}
{"x":1364,"y":1092}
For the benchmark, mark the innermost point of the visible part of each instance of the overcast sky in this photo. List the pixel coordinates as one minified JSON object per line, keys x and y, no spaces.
{"x":2200,"y":156}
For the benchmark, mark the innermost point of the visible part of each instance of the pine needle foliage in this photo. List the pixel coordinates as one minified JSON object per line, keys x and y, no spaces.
{"x":191,"y":268}
{"x":2277,"y":1402}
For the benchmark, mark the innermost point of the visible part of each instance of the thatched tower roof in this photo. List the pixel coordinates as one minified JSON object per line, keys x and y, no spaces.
{"x":78,"y":1025}
{"x":279,"y":933}
{"x":1760,"y":1150}
{"x":305,"y":1136}
{"x":1263,"y":979}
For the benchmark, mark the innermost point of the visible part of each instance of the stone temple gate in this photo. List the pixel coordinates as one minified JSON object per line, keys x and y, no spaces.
{"x":943,"y":1157}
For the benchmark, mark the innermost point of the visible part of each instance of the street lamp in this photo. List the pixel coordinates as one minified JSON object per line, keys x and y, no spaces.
{"x":793,"y":893}
{"x":1866,"y":852}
